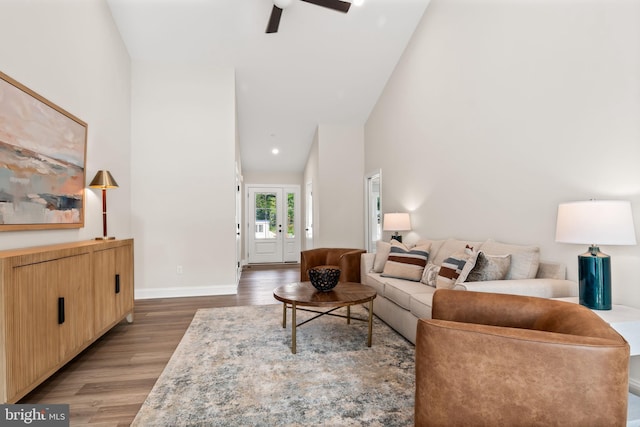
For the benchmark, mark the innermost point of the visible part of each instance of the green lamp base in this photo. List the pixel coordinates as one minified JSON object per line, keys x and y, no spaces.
{"x":594,"y":279}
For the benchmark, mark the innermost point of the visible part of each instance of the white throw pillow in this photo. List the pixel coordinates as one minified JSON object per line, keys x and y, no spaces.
{"x":450,"y":247}
{"x":382,"y":253}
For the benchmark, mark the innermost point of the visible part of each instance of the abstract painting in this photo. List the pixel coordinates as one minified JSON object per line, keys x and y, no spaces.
{"x":42,"y":161}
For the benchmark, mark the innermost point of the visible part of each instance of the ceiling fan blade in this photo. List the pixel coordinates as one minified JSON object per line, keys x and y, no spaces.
{"x":274,"y":20}
{"x":340,"y":6}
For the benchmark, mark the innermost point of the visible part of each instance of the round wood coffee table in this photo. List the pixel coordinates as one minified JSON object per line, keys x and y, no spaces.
{"x":345,"y":294}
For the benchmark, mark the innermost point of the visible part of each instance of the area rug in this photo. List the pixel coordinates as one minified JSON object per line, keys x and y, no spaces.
{"x":234,"y":367}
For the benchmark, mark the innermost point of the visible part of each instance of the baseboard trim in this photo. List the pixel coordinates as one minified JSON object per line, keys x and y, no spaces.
{"x":185,"y":292}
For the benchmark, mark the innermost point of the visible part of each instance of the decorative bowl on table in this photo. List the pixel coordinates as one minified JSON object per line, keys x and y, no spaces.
{"x":324,"y":277}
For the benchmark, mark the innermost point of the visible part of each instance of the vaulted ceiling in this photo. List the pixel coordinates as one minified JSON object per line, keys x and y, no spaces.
{"x":321,"y":67}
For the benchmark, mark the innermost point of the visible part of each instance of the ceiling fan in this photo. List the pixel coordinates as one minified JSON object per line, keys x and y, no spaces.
{"x":279,"y":5}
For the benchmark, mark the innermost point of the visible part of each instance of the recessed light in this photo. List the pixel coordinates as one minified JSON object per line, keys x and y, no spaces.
{"x":357,"y":2}
{"x":275,"y":151}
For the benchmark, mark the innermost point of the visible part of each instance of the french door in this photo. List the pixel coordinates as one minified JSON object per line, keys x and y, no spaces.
{"x":272,"y":224}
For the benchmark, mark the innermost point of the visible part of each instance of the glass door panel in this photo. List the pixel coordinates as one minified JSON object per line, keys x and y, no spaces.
{"x":265,"y":238}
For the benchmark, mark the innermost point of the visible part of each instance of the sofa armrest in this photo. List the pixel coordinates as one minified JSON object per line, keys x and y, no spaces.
{"x":545,"y":288}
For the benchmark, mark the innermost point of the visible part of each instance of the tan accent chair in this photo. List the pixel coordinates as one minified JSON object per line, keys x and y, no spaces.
{"x":347,"y":260}
{"x":507,"y":360}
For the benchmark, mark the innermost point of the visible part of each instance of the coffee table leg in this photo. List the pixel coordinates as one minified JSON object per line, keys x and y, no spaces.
{"x":284,"y":315}
{"x":293,"y":328}
{"x":348,"y":315}
{"x":370,"y":323}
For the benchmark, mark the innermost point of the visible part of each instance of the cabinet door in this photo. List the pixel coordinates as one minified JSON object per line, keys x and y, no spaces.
{"x":124,"y":272}
{"x":104,"y":280}
{"x":42,"y":330}
{"x":113,"y":279}
{"x":74,"y":285}
{"x":32,"y":325}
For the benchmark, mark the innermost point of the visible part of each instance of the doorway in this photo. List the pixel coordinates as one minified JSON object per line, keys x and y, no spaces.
{"x":308,"y":218}
{"x":373,"y":220}
{"x":273,"y":224}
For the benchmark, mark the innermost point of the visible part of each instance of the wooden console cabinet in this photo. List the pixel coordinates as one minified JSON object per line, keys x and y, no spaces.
{"x":56,"y":300}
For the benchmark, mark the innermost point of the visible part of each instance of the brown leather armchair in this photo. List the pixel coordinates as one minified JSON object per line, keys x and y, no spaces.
{"x":348,"y":260}
{"x":507,"y":360}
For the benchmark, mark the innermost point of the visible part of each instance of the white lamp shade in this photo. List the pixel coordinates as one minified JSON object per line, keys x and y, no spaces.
{"x":596,"y":222}
{"x":396,"y":222}
{"x":282,"y":4}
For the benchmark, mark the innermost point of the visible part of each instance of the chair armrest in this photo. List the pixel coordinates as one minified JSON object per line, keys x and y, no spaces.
{"x":349,"y":264}
{"x":544,"y":288}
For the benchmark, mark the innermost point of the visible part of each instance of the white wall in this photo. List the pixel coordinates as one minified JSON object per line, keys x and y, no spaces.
{"x":336,"y":168}
{"x":183,"y":170}
{"x":71,"y":53}
{"x":311,"y":178}
{"x":341,"y":179}
{"x":499,"y":110}
{"x":274,"y":178}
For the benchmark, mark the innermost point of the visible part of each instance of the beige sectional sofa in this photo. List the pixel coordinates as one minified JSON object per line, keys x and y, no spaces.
{"x":401,"y":301}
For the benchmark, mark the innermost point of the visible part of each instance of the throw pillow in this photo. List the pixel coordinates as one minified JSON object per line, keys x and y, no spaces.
{"x":405,"y":263}
{"x":489,"y":267}
{"x":382,"y":253}
{"x":452,"y":267}
{"x":430,"y":274}
{"x":468,"y":266}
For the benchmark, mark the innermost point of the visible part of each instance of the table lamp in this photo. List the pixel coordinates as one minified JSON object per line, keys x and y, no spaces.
{"x":594,"y":222}
{"x":104,"y":181}
{"x":396,"y":222}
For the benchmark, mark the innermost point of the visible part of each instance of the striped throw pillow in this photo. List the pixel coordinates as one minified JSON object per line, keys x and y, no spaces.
{"x":452,"y":267}
{"x":405,"y":263}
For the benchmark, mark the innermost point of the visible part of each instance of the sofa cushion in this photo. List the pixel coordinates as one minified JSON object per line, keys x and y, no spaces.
{"x":376,"y":282}
{"x":551,"y":270}
{"x":382,"y":253}
{"x":401,"y":291}
{"x":452,"y":267}
{"x":450,"y":247}
{"x":420,"y":304}
{"x":405,"y":263}
{"x":524,"y":259}
{"x":434,"y":245}
{"x":489,"y":267}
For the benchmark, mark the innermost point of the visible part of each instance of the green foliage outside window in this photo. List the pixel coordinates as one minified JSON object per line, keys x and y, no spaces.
{"x":291,"y":232}
{"x":266,"y":209}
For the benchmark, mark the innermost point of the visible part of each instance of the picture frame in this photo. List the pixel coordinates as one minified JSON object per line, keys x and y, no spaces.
{"x":42,"y":162}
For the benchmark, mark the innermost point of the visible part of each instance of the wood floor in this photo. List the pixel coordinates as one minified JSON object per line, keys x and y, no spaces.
{"x":107,"y":383}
